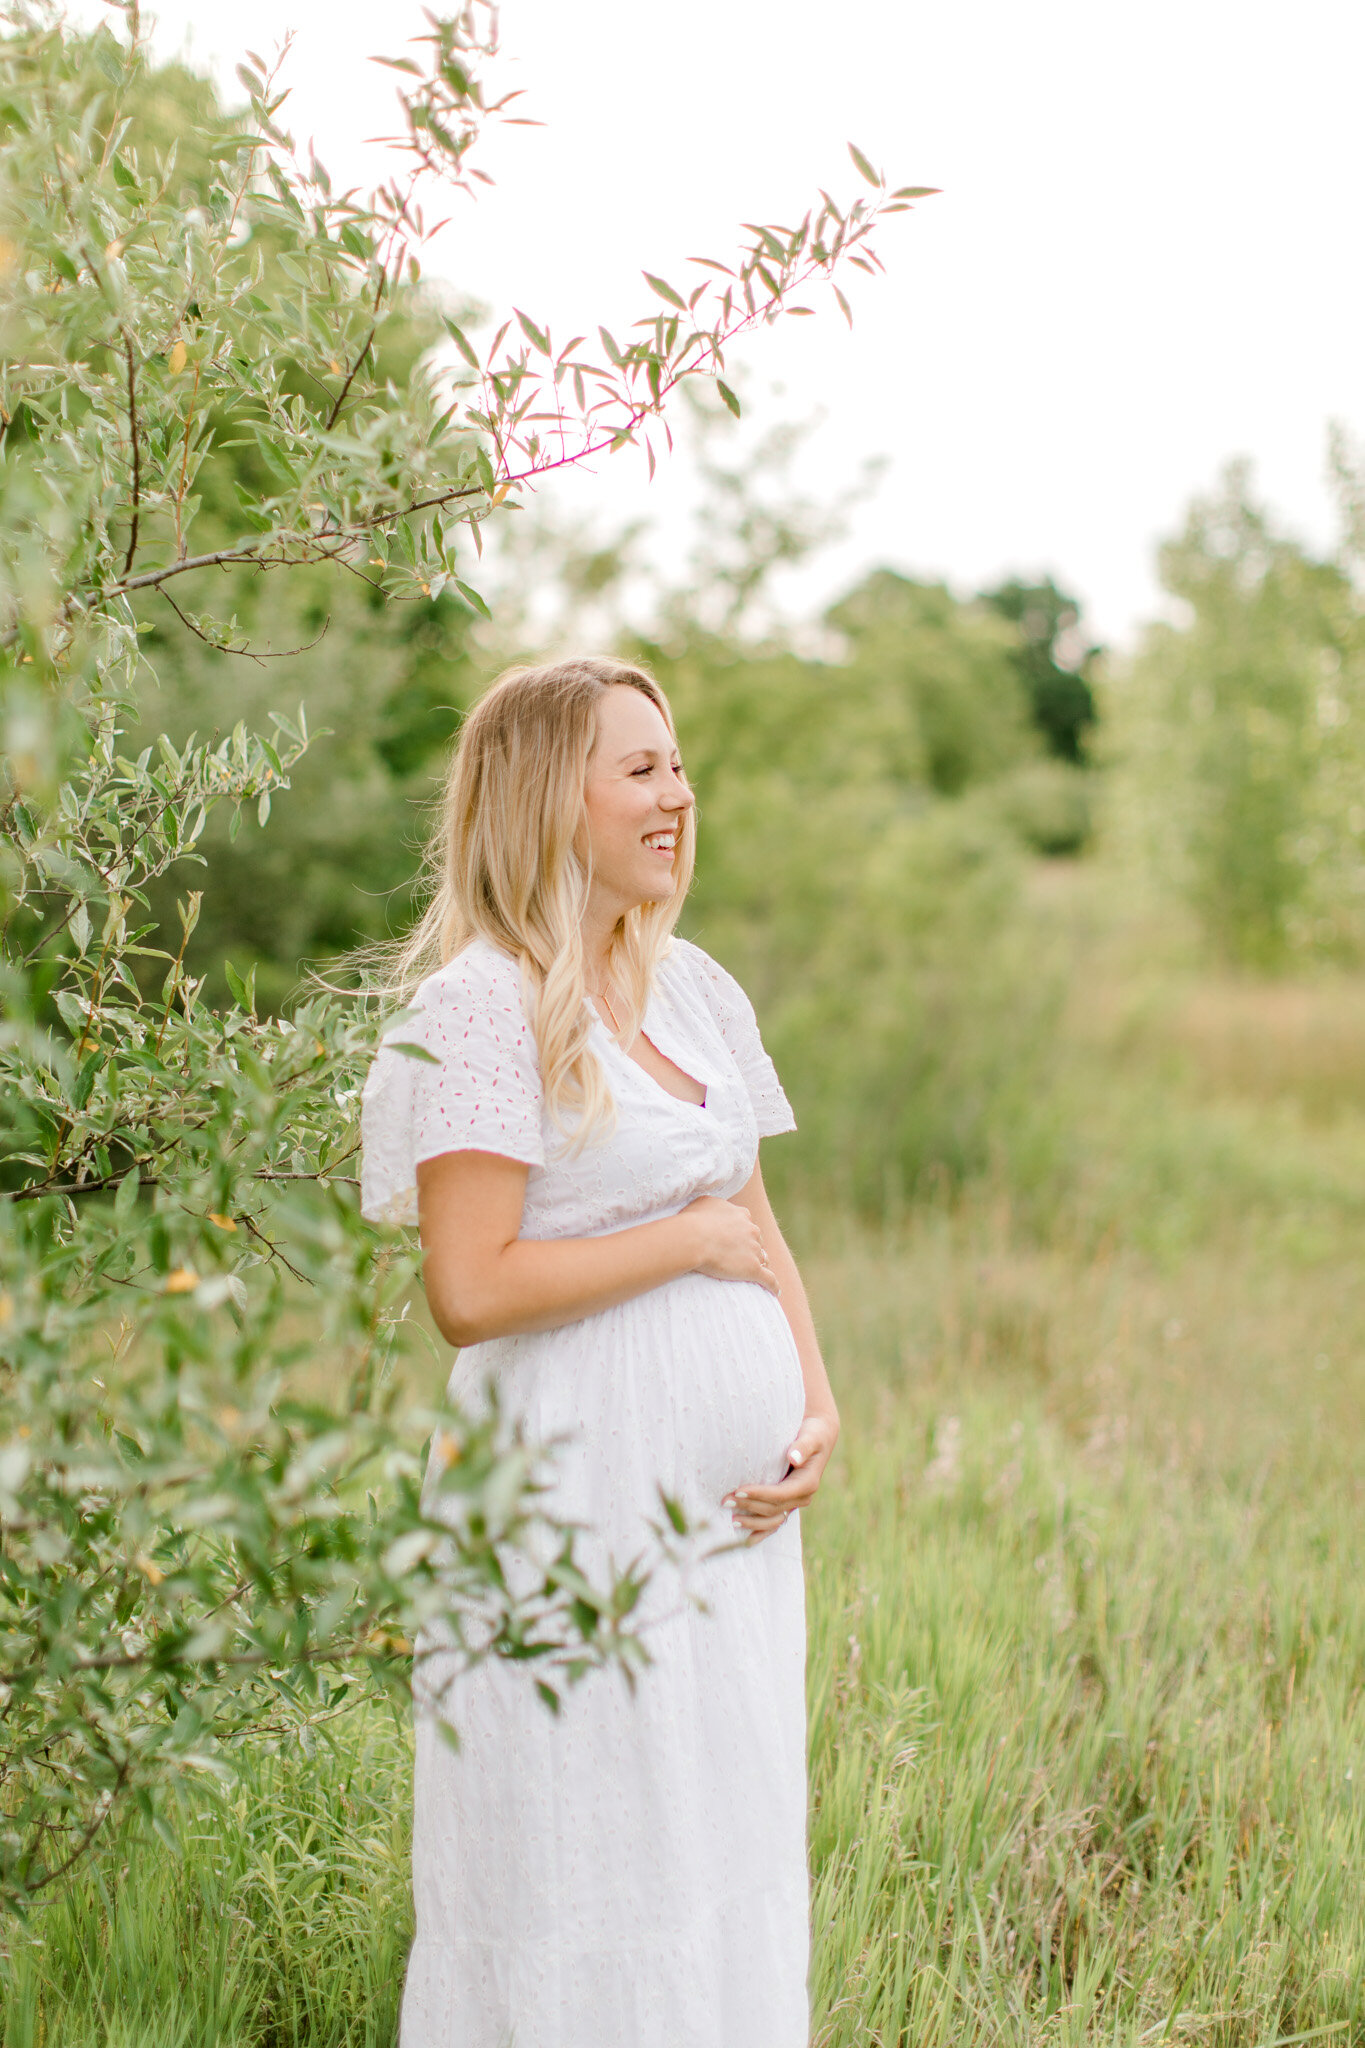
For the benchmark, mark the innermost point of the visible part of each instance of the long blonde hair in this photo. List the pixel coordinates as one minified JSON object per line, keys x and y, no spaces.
{"x":504,"y":865}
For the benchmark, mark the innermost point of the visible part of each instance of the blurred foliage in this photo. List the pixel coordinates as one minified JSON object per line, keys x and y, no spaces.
{"x":953,"y":671}
{"x":1241,"y":728}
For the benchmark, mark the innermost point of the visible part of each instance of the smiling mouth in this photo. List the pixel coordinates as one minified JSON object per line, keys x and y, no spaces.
{"x":662,"y":842}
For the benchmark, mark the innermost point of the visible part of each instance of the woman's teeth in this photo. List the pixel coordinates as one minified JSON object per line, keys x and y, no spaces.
{"x":661,"y":842}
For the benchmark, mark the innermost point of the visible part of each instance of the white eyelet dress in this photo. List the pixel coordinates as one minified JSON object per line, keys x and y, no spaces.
{"x":630,"y":1873}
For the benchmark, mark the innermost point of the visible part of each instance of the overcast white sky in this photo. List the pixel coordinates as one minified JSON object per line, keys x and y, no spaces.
{"x":1146,"y":258}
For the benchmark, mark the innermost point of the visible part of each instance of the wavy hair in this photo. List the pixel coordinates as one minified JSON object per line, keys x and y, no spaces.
{"x":504,"y":865}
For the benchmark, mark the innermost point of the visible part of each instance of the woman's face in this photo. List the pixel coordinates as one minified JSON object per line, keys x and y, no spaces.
{"x":635,"y":801}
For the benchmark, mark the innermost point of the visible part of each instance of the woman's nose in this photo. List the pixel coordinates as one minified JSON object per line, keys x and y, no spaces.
{"x":679,"y":798}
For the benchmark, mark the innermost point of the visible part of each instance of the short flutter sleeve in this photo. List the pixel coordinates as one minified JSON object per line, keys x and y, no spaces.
{"x":477,"y":1089}
{"x":733,"y":1015}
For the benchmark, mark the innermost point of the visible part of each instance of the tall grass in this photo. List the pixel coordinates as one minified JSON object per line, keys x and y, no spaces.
{"x":1087,"y":1630}
{"x":1087,"y":1655}
{"x":281,"y":1917}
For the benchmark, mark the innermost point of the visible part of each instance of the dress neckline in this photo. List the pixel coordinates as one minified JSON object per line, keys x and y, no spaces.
{"x":694,"y":1069}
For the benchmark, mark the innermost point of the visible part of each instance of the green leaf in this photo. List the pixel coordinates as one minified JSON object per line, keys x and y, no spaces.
{"x":917,"y":192}
{"x":863,"y":165}
{"x":412,"y":1051}
{"x":243,"y":992}
{"x":462,"y":344}
{"x":674,"y":1511}
{"x":85,"y":1080}
{"x":728,"y":395}
{"x":665,"y":291}
{"x":537,"y":336}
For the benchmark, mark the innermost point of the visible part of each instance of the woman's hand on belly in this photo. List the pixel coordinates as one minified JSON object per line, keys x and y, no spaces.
{"x":760,"y":1511}
{"x":728,"y":1244}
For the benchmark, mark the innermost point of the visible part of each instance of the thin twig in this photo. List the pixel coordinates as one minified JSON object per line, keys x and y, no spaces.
{"x":137,"y":458}
{"x":350,"y":379}
{"x":46,"y":938}
{"x":185,"y":465}
{"x":273,"y":1250}
{"x":246,"y":653}
{"x":89,"y":1834}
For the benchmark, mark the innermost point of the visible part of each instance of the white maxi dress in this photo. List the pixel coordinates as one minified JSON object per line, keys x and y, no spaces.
{"x":630,"y":1873}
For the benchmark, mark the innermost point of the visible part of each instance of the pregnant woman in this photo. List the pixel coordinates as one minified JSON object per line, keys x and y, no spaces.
{"x":582,"y":1157}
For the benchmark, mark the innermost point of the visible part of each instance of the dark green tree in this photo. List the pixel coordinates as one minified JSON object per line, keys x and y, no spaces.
{"x":1053,"y":661}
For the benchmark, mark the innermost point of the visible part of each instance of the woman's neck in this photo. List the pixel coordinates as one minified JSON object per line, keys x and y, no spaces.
{"x":597,"y":937}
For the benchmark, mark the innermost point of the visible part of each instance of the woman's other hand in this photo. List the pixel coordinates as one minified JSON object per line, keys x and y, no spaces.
{"x":760,"y":1511}
{"x":728,"y":1243}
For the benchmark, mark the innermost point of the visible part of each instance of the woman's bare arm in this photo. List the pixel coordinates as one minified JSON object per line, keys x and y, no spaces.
{"x":484,"y":1280}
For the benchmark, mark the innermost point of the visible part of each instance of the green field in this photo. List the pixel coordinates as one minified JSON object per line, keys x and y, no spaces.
{"x":1087,"y":1629}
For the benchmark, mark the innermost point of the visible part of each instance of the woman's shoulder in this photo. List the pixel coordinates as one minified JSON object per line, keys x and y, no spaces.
{"x":692,"y":976}
{"x":685,"y":965}
{"x":479,"y":973}
{"x":475,"y":998}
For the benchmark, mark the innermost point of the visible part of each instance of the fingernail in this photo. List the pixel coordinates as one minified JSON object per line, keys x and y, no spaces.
{"x":795,"y":1457}
{"x":741,"y":1495}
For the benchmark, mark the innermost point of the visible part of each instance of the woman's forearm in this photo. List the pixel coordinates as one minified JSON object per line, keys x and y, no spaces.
{"x":539,"y":1284}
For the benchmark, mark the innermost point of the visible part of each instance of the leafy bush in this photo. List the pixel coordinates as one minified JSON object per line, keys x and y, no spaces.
{"x":209,"y":1488}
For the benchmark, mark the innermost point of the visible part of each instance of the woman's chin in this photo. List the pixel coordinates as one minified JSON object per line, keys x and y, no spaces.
{"x":661,"y":890}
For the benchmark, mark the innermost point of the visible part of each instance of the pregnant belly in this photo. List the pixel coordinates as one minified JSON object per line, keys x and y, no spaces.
{"x":695,"y":1387}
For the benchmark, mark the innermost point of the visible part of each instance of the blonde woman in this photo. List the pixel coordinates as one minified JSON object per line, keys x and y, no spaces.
{"x":583,"y":1160}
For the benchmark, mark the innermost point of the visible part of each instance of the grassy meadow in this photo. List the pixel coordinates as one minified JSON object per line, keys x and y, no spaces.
{"x":1087,"y":1627}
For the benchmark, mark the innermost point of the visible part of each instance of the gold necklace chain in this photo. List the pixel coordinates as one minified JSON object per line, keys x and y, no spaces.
{"x":601,"y":996}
